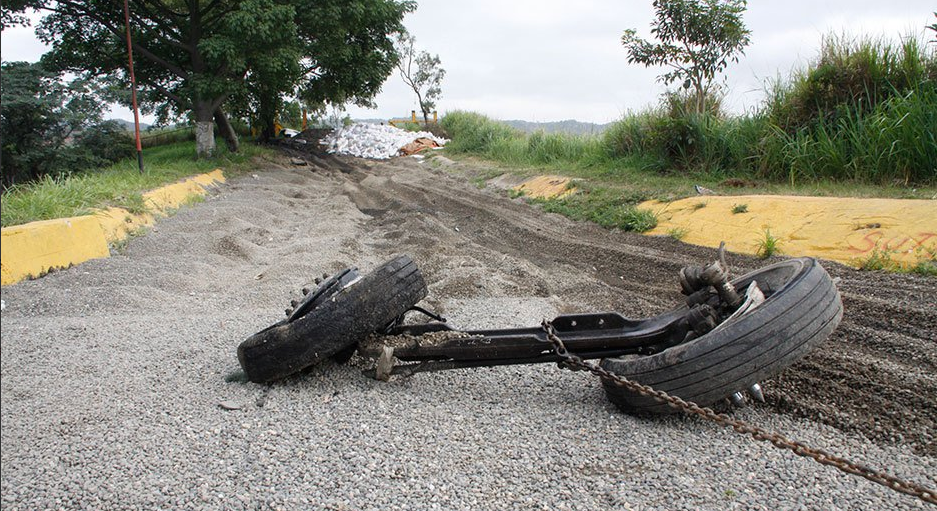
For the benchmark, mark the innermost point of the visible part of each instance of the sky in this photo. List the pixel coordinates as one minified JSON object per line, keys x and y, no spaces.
{"x":554,"y":60}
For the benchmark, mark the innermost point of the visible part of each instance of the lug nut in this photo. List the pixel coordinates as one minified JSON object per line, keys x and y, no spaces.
{"x":325,"y":275}
{"x":756,"y":392}
{"x":294,"y":303}
{"x":289,"y":311}
{"x":318,"y":281}
{"x":305,"y":291}
{"x":738,"y":399}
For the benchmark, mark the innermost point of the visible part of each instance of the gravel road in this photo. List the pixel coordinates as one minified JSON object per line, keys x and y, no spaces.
{"x":113,"y":372}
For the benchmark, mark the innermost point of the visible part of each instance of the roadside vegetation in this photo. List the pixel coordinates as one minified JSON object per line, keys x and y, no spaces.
{"x":860,"y":121}
{"x":120,"y":184}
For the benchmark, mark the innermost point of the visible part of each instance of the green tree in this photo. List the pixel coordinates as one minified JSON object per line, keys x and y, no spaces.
{"x":342,"y":54}
{"x":421,"y":72}
{"x":39,"y":114}
{"x":196,"y":57}
{"x":190,"y":56}
{"x":696,"y":39}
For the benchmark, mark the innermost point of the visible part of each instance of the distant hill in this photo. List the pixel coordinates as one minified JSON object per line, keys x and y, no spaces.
{"x":570,"y":126}
{"x":128,"y":125}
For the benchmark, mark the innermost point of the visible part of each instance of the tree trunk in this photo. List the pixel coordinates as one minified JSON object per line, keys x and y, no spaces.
{"x":204,"y":134}
{"x":226,"y":131}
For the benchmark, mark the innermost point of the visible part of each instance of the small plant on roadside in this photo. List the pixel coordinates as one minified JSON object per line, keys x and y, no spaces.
{"x":638,"y":220}
{"x":878,"y":259}
{"x":677,"y":233}
{"x":699,"y":205}
{"x":926,"y":264}
{"x":515,"y":193}
{"x":120,"y":246}
{"x":739,"y":208}
{"x":134,"y":203}
{"x":924,"y":268}
{"x":768,"y":245}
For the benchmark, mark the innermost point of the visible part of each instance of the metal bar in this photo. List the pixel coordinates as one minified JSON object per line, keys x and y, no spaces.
{"x":133,"y":87}
{"x":599,"y":335}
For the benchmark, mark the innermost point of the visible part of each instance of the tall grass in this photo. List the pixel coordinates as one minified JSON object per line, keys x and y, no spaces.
{"x":864,"y":112}
{"x":476,"y":134}
{"x":120,"y":184}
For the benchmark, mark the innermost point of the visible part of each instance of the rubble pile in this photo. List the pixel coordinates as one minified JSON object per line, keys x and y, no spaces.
{"x":374,"y":141}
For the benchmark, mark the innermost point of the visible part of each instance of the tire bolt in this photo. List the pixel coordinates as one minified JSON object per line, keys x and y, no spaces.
{"x":325,"y":275}
{"x":305,"y":291}
{"x":289,"y":311}
{"x":756,"y":392}
{"x":738,"y":399}
{"x":318,"y":281}
{"x":294,"y":303}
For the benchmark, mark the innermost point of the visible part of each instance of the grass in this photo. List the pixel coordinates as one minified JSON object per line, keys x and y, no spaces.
{"x":860,"y":121}
{"x":878,"y":259}
{"x":118,"y":185}
{"x":768,"y":245}
{"x":700,"y":205}
{"x":739,"y":208}
{"x":607,"y":207}
{"x":678,"y":233}
{"x":487,"y":143}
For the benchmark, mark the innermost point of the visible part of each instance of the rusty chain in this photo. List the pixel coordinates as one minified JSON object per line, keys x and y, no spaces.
{"x":573,"y":361}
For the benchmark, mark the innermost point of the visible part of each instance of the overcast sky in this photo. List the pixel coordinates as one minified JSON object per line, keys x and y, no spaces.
{"x":554,"y":60}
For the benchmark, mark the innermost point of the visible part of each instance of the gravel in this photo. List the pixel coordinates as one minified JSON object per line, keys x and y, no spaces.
{"x":376,"y":141}
{"x":120,"y":383}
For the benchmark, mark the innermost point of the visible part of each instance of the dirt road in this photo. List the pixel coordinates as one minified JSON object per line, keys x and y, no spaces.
{"x":877,"y":374}
{"x":140,"y":344}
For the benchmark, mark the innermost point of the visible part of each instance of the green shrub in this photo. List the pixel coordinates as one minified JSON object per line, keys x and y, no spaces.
{"x":105,"y":143}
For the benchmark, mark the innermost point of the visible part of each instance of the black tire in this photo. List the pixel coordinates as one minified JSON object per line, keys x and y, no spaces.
{"x":802,"y":309}
{"x":333,"y":326}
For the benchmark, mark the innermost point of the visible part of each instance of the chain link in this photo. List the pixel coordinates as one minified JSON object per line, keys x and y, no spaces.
{"x":572,"y":361}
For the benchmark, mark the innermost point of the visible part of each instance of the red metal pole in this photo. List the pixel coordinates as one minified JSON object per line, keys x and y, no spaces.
{"x":133,"y":87}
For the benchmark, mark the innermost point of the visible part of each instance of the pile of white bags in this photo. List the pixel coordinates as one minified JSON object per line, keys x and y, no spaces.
{"x":374,"y":141}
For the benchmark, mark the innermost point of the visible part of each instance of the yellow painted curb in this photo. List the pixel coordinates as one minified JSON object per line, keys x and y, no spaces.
{"x":32,"y":249}
{"x":847,"y":230}
{"x":546,"y":187}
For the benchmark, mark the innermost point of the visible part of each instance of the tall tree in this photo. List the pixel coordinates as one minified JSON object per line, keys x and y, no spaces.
{"x":193,"y":56}
{"x":422,"y":72}
{"x":344,"y":53}
{"x":38,"y":114}
{"x":696,"y":39}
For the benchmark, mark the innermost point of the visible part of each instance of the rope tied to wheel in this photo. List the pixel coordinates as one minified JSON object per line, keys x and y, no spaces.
{"x":572,"y":361}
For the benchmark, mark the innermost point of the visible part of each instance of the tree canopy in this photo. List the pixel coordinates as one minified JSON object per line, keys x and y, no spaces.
{"x":199,"y":56}
{"x":696,"y":39}
{"x":50,"y":126}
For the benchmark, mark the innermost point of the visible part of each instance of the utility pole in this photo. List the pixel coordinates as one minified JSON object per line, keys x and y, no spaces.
{"x":133,"y":87}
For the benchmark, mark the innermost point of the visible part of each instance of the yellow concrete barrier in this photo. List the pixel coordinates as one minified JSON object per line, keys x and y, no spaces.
{"x":847,"y":230}
{"x":33,"y":249}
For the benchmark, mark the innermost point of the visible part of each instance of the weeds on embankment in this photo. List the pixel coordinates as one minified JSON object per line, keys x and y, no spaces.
{"x":864,"y":113}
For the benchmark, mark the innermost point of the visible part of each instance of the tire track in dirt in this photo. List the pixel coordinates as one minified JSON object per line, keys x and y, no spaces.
{"x":877,"y":374}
